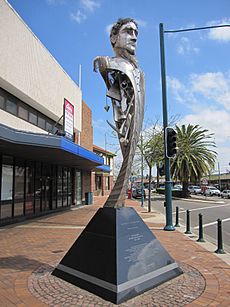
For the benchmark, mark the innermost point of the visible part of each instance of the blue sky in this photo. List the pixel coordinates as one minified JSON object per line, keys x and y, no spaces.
{"x":197,"y":63}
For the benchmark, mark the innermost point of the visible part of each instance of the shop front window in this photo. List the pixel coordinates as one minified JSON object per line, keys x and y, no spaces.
{"x":65,"y":188}
{"x":70,"y":188}
{"x":78,"y":190}
{"x":54,"y":188}
{"x":7,"y":187}
{"x":19,"y":190}
{"x":38,"y":180}
{"x":46,"y":187}
{"x":29,"y":204}
{"x":59,"y":187}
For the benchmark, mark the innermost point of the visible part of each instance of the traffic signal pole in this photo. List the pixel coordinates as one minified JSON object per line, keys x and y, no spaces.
{"x":168,"y":188}
{"x":142,"y":174}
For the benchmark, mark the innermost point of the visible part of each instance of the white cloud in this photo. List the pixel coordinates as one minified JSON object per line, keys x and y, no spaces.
{"x":220,"y":34}
{"x":215,"y":120}
{"x":214,"y":86}
{"x":186,"y":47}
{"x":208,"y":88}
{"x":90,"y":5}
{"x":182,"y":93}
{"x":87,"y":6}
{"x":208,"y":98}
{"x":78,"y":16}
{"x":223,"y":159}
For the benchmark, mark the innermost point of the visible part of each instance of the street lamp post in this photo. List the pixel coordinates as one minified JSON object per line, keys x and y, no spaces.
{"x":168,"y":188}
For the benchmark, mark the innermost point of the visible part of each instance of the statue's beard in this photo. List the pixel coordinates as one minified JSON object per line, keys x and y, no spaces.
{"x":123,"y":53}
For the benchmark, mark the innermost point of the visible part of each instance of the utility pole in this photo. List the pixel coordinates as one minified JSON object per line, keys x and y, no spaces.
{"x":168,"y":188}
{"x":142,"y":173}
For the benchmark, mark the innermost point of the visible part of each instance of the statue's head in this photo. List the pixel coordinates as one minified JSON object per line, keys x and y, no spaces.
{"x":123,"y":36}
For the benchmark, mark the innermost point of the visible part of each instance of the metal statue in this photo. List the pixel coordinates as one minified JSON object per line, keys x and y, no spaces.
{"x":125,"y":88}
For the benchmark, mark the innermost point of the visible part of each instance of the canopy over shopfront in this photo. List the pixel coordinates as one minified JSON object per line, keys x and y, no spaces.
{"x":47,"y":148}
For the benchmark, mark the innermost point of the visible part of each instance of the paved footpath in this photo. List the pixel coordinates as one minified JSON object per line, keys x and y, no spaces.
{"x":28,"y":246}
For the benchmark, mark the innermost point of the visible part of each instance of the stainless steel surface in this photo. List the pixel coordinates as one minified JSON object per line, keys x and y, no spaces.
{"x":125,"y":88}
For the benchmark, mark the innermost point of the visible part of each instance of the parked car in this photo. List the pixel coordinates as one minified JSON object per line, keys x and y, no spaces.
{"x":137,"y":193}
{"x":211,"y":191}
{"x":225,"y":193}
{"x":195,"y":189}
{"x":177,"y":187}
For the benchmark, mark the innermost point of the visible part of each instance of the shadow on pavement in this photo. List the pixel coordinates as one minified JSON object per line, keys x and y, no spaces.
{"x":21,"y":263}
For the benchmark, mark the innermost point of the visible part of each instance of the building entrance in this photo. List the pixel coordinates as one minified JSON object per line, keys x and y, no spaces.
{"x":28,"y":188}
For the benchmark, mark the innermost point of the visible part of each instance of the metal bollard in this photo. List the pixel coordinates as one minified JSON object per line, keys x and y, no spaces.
{"x":220,"y":249}
{"x":177,"y":218}
{"x":188,"y":231}
{"x":201,"y":236}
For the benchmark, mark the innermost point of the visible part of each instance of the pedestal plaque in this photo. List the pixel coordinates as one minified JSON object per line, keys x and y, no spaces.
{"x":117,"y":257}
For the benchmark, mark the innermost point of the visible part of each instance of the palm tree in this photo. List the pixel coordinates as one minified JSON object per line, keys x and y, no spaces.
{"x":194,"y":157}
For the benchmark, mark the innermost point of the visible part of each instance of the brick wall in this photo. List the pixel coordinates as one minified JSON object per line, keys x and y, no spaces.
{"x":86,"y":138}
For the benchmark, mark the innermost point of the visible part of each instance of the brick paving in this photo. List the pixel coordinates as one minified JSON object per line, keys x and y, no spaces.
{"x":180,"y":291}
{"x":38,"y":244}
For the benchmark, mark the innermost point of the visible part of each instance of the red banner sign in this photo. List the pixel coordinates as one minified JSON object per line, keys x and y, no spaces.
{"x":68,"y":119}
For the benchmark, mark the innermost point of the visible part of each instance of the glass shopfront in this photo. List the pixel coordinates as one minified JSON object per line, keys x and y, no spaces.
{"x":19,"y":182}
{"x":7,"y":187}
{"x":29,"y":188}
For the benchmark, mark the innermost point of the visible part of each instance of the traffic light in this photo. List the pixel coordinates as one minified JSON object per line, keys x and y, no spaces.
{"x":170,"y":142}
{"x":161,"y":169}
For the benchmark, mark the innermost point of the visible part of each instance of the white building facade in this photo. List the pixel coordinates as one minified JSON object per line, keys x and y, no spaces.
{"x":41,"y":170}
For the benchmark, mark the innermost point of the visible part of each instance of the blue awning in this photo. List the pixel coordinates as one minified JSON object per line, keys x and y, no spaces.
{"x":103,"y":168}
{"x":46,"y":148}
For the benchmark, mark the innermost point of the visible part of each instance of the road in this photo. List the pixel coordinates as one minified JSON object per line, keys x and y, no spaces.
{"x":211,"y":208}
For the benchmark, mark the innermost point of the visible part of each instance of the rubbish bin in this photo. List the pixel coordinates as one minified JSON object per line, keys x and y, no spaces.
{"x":89,"y":198}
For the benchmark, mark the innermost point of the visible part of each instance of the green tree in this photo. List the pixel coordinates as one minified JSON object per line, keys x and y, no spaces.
{"x":195,"y":156}
{"x":152,"y":149}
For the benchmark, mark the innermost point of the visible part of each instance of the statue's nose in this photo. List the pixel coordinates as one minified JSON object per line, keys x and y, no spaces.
{"x":134,"y":36}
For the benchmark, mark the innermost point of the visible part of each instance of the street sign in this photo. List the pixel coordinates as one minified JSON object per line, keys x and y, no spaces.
{"x":204,"y":181}
{"x":68,"y":119}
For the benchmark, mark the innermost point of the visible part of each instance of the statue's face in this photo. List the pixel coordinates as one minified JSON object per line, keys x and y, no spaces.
{"x":127,"y":37}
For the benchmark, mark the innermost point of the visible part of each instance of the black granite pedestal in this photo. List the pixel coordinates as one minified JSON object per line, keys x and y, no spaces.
{"x":117,"y":257}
